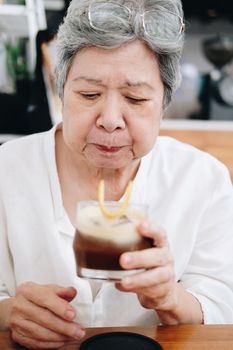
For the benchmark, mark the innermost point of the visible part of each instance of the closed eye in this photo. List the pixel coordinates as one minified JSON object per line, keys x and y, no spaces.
{"x":89,"y":96}
{"x":135,"y":100}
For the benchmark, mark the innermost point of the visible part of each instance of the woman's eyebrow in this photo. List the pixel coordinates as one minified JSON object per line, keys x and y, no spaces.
{"x":136,"y":84}
{"x":89,"y":80}
{"x":139,"y":84}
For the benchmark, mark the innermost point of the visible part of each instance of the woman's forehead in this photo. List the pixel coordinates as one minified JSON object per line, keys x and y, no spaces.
{"x":126,"y":50}
{"x":133,"y":62}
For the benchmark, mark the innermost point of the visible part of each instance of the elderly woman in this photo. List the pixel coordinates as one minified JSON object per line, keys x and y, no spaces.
{"x":118,"y":65}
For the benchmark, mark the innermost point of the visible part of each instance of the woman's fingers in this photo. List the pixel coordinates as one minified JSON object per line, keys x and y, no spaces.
{"x":147,"y":258}
{"x":42,"y":318}
{"x":46,"y":319}
{"x":147,"y":279}
{"x":48,"y":297}
{"x":156,"y":284}
{"x":31,"y":343}
{"x":67,"y":294}
{"x":32,"y":330}
{"x":154,"y":288}
{"x":155,"y":232}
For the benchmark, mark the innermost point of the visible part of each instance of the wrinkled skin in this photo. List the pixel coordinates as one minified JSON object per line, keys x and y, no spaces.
{"x":42,"y":317}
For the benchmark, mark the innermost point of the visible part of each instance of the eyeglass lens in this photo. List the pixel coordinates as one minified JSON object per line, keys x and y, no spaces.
{"x":109,"y":16}
{"x":163,"y":24}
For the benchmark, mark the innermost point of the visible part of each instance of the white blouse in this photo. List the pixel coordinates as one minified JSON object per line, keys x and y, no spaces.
{"x":188,"y":192}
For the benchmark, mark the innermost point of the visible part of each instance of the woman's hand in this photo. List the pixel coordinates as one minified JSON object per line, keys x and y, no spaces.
{"x":42,"y":317}
{"x":156,"y":287}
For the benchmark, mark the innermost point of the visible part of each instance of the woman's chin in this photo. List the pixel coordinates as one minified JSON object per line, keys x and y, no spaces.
{"x":108,"y":162}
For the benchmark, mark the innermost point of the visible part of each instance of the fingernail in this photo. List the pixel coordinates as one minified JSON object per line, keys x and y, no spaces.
{"x":80,"y":333}
{"x":70,"y":314}
{"x":127,"y":282}
{"x":144,"y":226}
{"x":128,"y":259}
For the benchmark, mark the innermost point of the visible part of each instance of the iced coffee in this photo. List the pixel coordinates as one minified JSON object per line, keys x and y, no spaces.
{"x":100,"y":240}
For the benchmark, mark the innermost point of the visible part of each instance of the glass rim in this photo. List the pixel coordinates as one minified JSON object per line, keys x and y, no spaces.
{"x":110,"y":203}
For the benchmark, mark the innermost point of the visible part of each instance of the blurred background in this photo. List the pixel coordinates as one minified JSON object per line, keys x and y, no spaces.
{"x":28,"y":98}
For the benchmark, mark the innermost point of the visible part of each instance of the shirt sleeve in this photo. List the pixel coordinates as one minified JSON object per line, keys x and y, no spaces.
{"x":7,"y":277}
{"x":209,"y":274}
{"x":3,"y":291}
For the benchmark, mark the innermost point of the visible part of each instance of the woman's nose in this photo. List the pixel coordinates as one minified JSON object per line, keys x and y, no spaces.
{"x":111,"y":116}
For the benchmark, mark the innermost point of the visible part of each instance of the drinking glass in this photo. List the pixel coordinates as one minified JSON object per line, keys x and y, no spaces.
{"x":99,"y":241}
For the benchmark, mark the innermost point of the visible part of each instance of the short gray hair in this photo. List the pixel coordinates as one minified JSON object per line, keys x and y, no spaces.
{"x":76,"y":33}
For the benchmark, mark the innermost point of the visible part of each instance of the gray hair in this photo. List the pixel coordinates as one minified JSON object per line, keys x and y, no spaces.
{"x":76,"y":33}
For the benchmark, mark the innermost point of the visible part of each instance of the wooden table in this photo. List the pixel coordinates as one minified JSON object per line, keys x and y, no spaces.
{"x":183,"y":337}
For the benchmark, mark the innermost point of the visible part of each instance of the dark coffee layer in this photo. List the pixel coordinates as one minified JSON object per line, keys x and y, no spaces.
{"x":101,"y":254}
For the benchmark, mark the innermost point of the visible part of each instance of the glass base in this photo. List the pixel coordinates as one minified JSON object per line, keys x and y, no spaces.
{"x":106,"y":275}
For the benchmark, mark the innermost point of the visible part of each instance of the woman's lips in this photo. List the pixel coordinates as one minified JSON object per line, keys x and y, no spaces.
{"x":111,"y":149}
